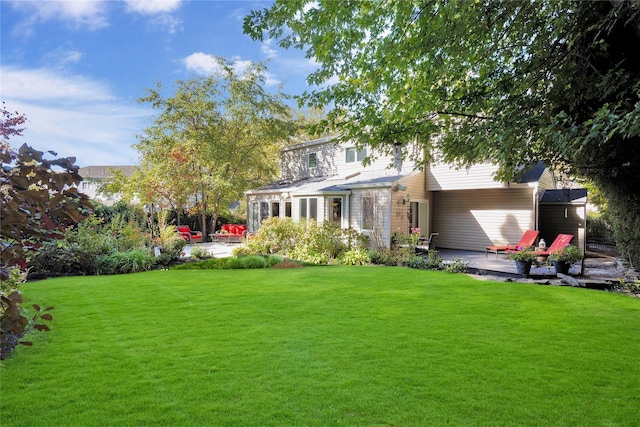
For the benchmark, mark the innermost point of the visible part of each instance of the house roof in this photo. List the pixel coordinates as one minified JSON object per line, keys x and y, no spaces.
{"x":329,"y":184}
{"x":534,"y":174}
{"x":104,"y":171}
{"x":311,"y":143}
{"x":575,"y":196}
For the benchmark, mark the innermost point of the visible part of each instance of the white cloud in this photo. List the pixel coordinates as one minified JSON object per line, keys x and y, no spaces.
{"x":74,"y":116}
{"x":202,"y":63}
{"x":79,"y":14}
{"x":160,"y":9}
{"x":152,"y":7}
{"x":268,"y":50}
{"x":61,"y":57}
{"x":206,"y":64}
{"x":271,"y":79}
{"x":241,"y":66}
{"x":47,"y":85}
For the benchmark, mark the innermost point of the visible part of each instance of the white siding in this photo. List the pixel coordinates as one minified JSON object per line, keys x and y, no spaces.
{"x":471,"y":220}
{"x":382,"y":213}
{"x":547,"y":181}
{"x":332,"y":161}
{"x":447,"y":177}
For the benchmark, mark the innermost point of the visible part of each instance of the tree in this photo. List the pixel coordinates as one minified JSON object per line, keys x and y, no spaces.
{"x":39,"y":200}
{"x":499,"y":81}
{"x":39,"y":195}
{"x":215,"y":138}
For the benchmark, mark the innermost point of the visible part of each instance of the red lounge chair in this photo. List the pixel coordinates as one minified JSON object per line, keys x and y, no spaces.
{"x":189,"y":235}
{"x":528,"y":239}
{"x":562,"y":241}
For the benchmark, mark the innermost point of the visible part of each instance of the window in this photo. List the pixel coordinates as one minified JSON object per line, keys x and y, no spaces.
{"x":255,"y":216}
{"x":352,"y":155}
{"x":309,"y":208}
{"x":264,"y":211}
{"x":368,"y":212}
{"x":275,"y":209}
{"x":313,"y":208}
{"x":313,"y":160}
{"x":287,"y":209}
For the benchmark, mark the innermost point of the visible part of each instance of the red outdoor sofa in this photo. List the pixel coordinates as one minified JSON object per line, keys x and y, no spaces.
{"x":230,"y":233}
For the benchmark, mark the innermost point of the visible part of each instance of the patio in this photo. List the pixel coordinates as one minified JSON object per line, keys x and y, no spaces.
{"x":480,"y":263}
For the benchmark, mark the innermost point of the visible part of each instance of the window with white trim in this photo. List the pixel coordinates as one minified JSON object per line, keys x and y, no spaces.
{"x":368,"y":212}
{"x":351,"y":154}
{"x":312,"y":160}
{"x":309,"y":208}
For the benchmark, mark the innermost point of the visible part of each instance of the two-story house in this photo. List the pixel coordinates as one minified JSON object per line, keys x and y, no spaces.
{"x":325,"y":181}
{"x":94,"y":177}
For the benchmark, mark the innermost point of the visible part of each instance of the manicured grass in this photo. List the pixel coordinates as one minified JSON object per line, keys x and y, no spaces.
{"x":324,"y":346}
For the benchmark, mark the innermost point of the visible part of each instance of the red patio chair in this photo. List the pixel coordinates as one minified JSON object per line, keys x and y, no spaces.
{"x":528,"y":239}
{"x":189,"y":235}
{"x":562,"y":241}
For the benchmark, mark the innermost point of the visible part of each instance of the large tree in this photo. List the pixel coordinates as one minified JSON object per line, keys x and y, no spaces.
{"x":510,"y":82}
{"x":215,"y":138}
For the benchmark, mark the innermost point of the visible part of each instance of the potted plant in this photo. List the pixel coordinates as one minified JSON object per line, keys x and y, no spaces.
{"x":563,"y":259}
{"x":524,"y":258}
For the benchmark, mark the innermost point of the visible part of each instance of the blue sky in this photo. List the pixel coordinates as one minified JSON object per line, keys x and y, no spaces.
{"x":77,"y":68}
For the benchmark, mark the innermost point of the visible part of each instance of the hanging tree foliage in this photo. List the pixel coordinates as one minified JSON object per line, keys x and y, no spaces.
{"x":501,"y":81}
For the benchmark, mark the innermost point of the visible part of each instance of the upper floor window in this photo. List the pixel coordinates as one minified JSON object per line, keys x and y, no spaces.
{"x":352,"y":155}
{"x":313,"y":160}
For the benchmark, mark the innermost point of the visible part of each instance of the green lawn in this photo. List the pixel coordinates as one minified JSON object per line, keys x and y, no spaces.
{"x":366,"y":346}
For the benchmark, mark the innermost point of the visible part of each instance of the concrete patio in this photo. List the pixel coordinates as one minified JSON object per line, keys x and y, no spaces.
{"x":481,"y":263}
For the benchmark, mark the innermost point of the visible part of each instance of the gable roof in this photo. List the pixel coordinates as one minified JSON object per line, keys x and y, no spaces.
{"x":331,"y":184}
{"x":574,"y":195}
{"x":104,"y":171}
{"x":311,"y":143}
{"x":534,"y":174}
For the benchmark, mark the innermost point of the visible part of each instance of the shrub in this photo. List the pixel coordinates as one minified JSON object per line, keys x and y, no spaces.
{"x":273,"y":260}
{"x":199,"y":252}
{"x":457,"y":266}
{"x":433,"y":261}
{"x":61,"y":258}
{"x":131,"y":261}
{"x":235,"y":263}
{"x":355,"y":256}
{"x":276,"y":235}
{"x":568,"y":254}
{"x":174,"y":246}
{"x":318,"y":244}
{"x":253,"y":261}
{"x":399,"y":257}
